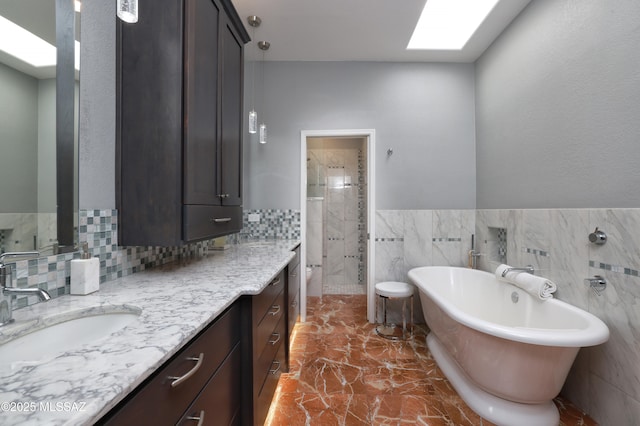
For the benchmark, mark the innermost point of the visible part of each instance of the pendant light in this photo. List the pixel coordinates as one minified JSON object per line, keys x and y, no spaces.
{"x":264,"y":46}
{"x":128,"y":11}
{"x":254,"y":22}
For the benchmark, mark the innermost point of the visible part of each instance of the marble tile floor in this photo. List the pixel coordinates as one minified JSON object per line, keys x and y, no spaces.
{"x":342,"y":373}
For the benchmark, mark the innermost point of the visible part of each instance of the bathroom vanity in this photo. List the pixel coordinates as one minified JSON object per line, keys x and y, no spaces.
{"x":215,"y":327}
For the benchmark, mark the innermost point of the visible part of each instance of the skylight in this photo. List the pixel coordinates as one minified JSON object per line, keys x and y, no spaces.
{"x":449,"y":24}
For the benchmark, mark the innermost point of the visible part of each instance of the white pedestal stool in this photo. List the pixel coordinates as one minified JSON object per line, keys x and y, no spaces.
{"x":394,"y":290}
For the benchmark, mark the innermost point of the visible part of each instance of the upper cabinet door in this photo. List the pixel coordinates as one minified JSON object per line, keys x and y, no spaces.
{"x":201,"y":68}
{"x":149,"y":125}
{"x":231,"y":115}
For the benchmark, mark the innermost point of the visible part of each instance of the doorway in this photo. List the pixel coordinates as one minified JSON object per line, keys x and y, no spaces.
{"x":337,"y":213}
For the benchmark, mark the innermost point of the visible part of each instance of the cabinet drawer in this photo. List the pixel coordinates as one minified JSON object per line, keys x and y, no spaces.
{"x":293,"y":283}
{"x":263,"y":302}
{"x":294,"y":312}
{"x":219,"y":401}
{"x":202,"y":222}
{"x":267,"y":356}
{"x":266,"y":331}
{"x":265,"y":397}
{"x":157,"y":401}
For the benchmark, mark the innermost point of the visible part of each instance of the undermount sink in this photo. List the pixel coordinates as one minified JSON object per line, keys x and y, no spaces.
{"x":55,"y":335}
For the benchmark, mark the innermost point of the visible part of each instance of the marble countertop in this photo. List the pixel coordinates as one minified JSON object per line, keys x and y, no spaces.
{"x":176,"y":302}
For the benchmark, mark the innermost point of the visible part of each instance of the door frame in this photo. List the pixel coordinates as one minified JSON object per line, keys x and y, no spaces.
{"x":370,"y":137}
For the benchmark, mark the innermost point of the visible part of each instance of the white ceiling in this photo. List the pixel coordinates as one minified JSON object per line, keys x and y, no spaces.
{"x":357,"y":30}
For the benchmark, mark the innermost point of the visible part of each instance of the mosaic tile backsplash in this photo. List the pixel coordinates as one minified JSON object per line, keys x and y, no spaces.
{"x":99,"y":228}
{"x":271,"y":224}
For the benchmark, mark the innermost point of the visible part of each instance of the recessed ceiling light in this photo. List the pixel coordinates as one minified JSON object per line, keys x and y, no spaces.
{"x":26,"y":46}
{"x":449,"y":24}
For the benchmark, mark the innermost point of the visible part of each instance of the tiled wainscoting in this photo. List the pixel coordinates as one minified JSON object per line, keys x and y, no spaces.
{"x":605,"y":380}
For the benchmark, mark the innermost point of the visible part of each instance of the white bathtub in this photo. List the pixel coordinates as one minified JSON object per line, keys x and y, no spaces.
{"x":506,"y":359}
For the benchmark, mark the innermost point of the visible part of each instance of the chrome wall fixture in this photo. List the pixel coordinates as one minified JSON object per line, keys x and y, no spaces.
{"x":597,"y":284}
{"x":597,"y":237}
{"x":128,"y":11}
{"x":264,"y":46}
{"x":254,"y":22}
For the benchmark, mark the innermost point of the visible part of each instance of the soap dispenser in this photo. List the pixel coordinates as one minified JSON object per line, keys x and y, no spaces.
{"x":85,"y":273}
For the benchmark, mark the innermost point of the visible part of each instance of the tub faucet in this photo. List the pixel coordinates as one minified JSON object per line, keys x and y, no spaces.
{"x":529,"y":269}
{"x":7,"y":292}
{"x":473,"y":259}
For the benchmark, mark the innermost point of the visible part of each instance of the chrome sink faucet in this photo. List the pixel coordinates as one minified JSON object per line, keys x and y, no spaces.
{"x":7,"y":291}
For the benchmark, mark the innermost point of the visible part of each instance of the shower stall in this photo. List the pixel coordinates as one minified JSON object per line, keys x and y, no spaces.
{"x":337,"y":215}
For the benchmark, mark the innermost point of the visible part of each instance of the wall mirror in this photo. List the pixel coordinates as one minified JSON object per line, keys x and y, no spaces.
{"x":38,"y":126}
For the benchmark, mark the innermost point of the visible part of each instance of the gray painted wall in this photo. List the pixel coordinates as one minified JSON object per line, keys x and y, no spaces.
{"x":98,"y":105}
{"x":425,"y":112}
{"x":19,"y":139}
{"x":46,"y":192}
{"x":557,"y":108}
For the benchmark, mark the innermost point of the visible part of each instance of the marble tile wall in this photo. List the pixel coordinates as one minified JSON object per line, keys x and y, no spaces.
{"x":315,"y":232}
{"x":338,"y":176}
{"x":605,"y":380}
{"x":406,"y":239}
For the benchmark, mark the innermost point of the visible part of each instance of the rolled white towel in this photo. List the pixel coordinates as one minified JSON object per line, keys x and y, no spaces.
{"x":539,"y":287}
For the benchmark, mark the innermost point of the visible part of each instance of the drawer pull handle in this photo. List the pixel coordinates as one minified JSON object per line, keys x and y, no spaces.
{"x":277,"y":310}
{"x":293,"y":274}
{"x":275,"y":371}
{"x":178,"y":380}
{"x":200,"y":418}
{"x":277,"y":337}
{"x":275,"y":282}
{"x":221,"y":219}
{"x":223,"y":195}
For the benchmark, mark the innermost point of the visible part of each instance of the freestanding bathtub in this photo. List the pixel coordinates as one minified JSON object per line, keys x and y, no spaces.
{"x":506,"y":353}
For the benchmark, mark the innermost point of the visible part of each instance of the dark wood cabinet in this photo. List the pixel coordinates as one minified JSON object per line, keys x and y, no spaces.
{"x":202,"y":380}
{"x":179,"y":122}
{"x":293,"y":291}
{"x":266,"y":347}
{"x":226,"y":375}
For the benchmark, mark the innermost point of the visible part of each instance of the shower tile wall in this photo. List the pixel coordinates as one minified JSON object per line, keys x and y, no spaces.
{"x":315,"y":207}
{"x":337,"y":175}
